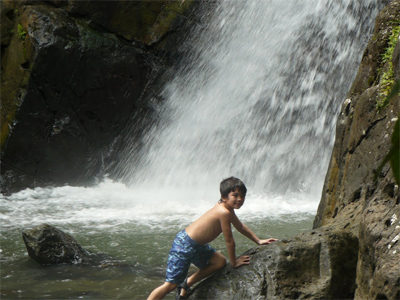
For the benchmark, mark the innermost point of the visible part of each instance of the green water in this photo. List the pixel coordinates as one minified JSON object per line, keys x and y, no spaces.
{"x":142,"y":252}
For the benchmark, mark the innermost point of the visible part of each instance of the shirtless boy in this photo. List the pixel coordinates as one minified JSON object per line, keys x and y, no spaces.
{"x":191,"y":245}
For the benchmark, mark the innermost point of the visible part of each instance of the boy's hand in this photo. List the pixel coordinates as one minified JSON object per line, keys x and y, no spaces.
{"x":267,"y":241}
{"x":242,"y":260}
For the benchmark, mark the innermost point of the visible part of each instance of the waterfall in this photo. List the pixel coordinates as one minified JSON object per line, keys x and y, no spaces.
{"x":259,"y":97}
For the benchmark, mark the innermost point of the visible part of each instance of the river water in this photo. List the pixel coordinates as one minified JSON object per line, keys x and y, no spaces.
{"x":258,"y":99}
{"x":136,"y":226}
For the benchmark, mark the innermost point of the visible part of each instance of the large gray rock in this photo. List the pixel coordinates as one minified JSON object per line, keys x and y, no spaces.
{"x":49,"y":245}
{"x":316,"y":265}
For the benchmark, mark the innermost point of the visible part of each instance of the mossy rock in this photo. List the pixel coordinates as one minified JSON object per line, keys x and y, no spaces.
{"x":16,"y":64}
{"x":372,"y":64}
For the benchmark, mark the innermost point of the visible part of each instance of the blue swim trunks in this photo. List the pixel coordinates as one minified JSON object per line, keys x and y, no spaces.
{"x":185,"y":251}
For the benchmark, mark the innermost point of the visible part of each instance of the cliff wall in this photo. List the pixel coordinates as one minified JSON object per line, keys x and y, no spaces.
{"x":74,"y":75}
{"x":352,"y":199}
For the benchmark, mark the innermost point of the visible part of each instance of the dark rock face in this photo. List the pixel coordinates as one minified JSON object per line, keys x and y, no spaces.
{"x":85,"y":87}
{"x":317,"y":265}
{"x":351,"y":198}
{"x":49,"y":245}
{"x":74,"y":75}
{"x":363,"y":132}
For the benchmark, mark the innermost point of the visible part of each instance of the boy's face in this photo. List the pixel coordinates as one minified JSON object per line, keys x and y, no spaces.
{"x":235,"y":199}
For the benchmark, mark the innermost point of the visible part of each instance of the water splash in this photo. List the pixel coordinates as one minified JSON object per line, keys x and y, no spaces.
{"x":111,"y":205}
{"x":259,"y":98}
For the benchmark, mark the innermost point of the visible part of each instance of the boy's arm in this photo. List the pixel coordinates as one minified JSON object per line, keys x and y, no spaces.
{"x":230,"y":242}
{"x":246,"y":231}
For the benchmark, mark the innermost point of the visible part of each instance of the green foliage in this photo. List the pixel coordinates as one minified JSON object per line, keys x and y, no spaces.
{"x":387,"y":56}
{"x":387,"y":78}
{"x":21,"y":32}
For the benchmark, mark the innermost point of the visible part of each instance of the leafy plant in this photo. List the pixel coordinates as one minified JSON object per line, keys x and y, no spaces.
{"x":21,"y":32}
{"x":387,"y":78}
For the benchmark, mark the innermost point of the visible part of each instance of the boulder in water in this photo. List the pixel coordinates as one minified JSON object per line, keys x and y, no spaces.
{"x":49,"y":245}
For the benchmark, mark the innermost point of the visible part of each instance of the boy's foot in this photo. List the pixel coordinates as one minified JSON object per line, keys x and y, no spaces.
{"x":183,"y":286}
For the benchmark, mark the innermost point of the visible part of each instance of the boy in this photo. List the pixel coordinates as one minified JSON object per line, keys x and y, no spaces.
{"x":191,"y":245}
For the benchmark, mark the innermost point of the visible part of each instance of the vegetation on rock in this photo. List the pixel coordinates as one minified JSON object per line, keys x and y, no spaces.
{"x":387,"y":78}
{"x":21,"y":32}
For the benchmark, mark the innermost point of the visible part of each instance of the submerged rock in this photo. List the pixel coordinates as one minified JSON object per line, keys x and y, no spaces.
{"x":49,"y":245}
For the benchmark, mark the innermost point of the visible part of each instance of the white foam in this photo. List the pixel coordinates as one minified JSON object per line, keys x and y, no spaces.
{"x":111,"y":204}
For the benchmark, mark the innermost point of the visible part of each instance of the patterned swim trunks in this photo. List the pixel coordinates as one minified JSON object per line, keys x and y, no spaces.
{"x":185,"y":251}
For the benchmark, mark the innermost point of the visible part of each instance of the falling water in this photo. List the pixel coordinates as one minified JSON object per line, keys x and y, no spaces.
{"x":259,"y":98}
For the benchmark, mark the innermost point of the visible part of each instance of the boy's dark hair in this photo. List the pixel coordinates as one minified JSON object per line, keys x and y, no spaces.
{"x":230,"y":184}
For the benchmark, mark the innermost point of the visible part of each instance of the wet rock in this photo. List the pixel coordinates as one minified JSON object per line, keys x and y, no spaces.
{"x":144,"y":21}
{"x":74,"y":76}
{"x":352,"y":198}
{"x":378,"y":272}
{"x":49,"y":245}
{"x":363,"y":131}
{"x":81,"y":87}
{"x":314,"y":265}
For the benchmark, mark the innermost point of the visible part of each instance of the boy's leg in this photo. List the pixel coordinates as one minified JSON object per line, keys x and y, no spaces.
{"x":217,"y":262}
{"x":162,"y":290}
